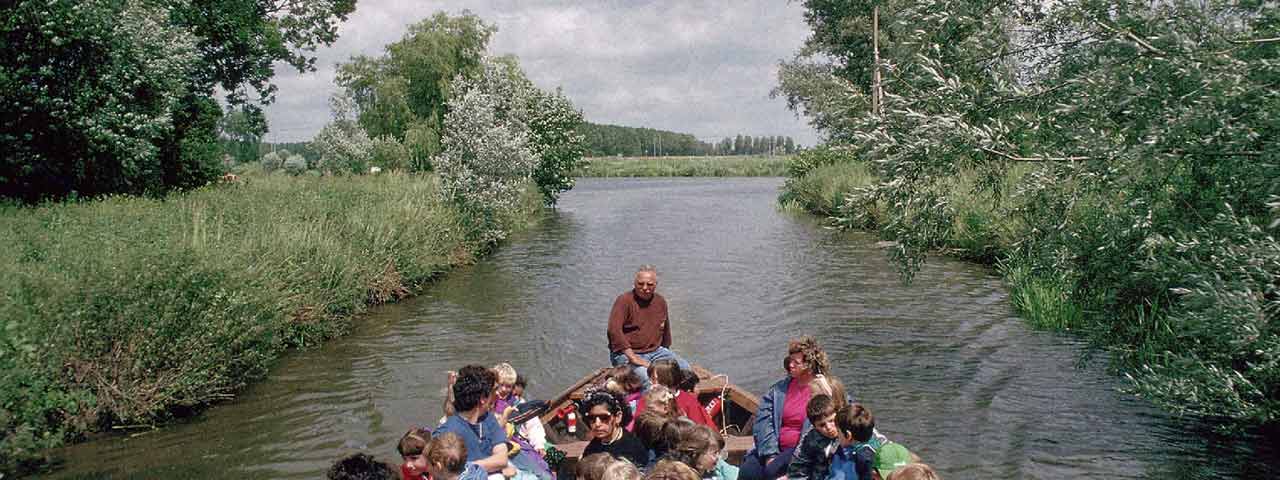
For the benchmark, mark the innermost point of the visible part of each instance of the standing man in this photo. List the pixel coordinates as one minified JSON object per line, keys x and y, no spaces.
{"x":639,"y":327}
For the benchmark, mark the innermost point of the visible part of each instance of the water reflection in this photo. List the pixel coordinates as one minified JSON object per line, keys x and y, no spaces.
{"x":943,"y":363}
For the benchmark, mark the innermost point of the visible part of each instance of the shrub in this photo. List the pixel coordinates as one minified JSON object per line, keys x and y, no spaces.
{"x":486,"y":160}
{"x":388,"y":154}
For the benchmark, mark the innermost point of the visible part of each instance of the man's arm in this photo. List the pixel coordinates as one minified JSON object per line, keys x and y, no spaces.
{"x":497,"y":461}
{"x":666,"y":332}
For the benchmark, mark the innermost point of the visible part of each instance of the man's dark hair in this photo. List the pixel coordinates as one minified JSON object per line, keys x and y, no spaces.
{"x":819,"y":407}
{"x":474,"y":383}
{"x":521,"y":381}
{"x":359,"y":466}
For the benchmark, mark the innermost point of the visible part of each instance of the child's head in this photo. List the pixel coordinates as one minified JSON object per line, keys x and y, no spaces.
{"x":649,"y":427}
{"x":855,"y":424}
{"x":621,"y":470}
{"x":691,"y":443}
{"x":506,"y":379}
{"x":832,"y":386}
{"x":413,"y":447}
{"x":446,"y":456}
{"x":360,"y":466}
{"x":661,"y":399}
{"x":592,"y":467}
{"x":672,"y":470}
{"x":914,"y":471}
{"x":666,"y":372}
{"x":521,"y":384}
{"x":624,"y":380}
{"x":474,"y":388}
{"x":822,"y":415}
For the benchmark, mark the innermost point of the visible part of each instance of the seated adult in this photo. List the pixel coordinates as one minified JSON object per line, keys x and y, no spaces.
{"x":781,"y":420}
{"x":604,"y":415}
{"x":485,"y":439}
{"x":639,"y":328}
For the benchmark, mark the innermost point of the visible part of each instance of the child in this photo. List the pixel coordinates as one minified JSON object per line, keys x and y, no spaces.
{"x":359,"y":466}
{"x":626,"y":382}
{"x":447,"y":460}
{"x":529,"y":438}
{"x":812,"y":458}
{"x":914,"y":471}
{"x":858,"y":444}
{"x":723,"y":470}
{"x":518,"y":391}
{"x":891,"y":457}
{"x":667,"y":372}
{"x":658,"y":399}
{"x":412,"y":448}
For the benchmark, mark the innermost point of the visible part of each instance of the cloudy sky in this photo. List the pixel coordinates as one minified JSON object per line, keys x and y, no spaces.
{"x":695,"y":66}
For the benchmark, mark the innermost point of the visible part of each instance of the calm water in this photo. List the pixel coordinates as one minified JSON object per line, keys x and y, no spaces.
{"x":943,"y":363}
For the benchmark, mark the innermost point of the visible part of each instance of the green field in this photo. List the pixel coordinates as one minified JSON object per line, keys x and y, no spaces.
{"x":130,"y":311}
{"x":725,"y":166}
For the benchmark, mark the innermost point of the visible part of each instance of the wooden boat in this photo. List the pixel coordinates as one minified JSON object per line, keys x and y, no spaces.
{"x":734,"y":419}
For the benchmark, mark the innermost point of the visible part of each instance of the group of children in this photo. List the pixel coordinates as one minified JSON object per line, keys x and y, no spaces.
{"x":673,"y":435}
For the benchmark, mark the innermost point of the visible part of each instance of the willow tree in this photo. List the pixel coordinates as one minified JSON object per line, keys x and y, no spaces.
{"x":1132,"y":146}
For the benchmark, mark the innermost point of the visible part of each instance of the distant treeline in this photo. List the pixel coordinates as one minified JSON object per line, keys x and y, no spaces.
{"x":611,"y":140}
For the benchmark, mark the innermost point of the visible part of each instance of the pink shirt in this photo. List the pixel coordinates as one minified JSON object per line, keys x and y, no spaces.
{"x":793,"y":414}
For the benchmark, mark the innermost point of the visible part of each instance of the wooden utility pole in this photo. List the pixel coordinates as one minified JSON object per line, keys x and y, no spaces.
{"x":877,"y":95}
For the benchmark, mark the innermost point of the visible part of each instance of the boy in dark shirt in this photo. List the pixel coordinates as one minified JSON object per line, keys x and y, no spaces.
{"x":858,"y":444}
{"x":813,"y":457}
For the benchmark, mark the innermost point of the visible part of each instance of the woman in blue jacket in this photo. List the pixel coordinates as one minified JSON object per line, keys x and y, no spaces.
{"x":780,"y":420}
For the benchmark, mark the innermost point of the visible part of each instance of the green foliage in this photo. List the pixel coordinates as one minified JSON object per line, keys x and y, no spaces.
{"x":241,"y":134}
{"x":822,"y":190}
{"x":1119,"y":158}
{"x":388,"y":154}
{"x":487,"y":159}
{"x":127,"y":310}
{"x":107,"y":96}
{"x":403,"y":93}
{"x":554,"y":138}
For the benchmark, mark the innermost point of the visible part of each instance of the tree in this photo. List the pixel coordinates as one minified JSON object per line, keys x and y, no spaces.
{"x":107,"y":96}
{"x":404,"y":92}
{"x":242,"y":135}
{"x":486,"y":159}
{"x":1134,"y":144}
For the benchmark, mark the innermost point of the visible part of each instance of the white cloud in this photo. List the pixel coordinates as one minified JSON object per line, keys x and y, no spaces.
{"x":703,"y":67}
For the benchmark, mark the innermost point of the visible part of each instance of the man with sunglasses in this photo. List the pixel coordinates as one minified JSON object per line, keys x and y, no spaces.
{"x":639,"y":328}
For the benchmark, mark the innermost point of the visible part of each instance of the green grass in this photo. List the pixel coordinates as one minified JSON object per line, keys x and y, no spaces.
{"x":728,"y":166}
{"x":982,"y":230}
{"x":823,"y":189}
{"x":130,"y":310}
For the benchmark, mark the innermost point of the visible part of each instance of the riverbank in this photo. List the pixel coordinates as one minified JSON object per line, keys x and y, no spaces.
{"x":1134,"y":296}
{"x":125,"y":312}
{"x":720,"y":166}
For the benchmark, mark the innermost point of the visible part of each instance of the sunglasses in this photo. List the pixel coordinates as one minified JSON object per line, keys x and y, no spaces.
{"x":592,"y":418}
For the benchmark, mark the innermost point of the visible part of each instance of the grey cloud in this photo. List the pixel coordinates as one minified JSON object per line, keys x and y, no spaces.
{"x":703,"y":67}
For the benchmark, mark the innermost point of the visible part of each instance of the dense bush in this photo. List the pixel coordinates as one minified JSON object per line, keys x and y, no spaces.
{"x":91,"y":92}
{"x":126,"y":310}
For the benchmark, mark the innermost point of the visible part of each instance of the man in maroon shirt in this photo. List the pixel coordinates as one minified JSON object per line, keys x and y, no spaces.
{"x":639,"y":328}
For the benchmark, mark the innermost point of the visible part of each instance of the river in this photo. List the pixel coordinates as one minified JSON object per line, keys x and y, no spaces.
{"x":943,"y":363}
